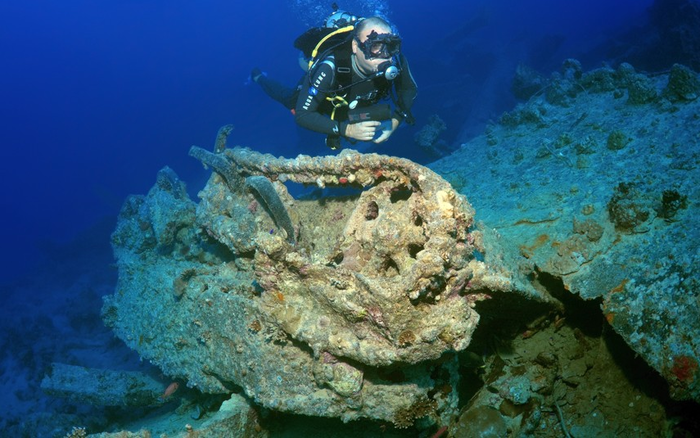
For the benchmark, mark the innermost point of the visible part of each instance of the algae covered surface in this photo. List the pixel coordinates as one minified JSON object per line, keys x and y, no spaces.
{"x":541,"y":280}
{"x":600,"y":189}
{"x":595,"y":182}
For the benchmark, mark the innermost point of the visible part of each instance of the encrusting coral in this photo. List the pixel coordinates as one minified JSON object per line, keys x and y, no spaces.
{"x":385,"y":274}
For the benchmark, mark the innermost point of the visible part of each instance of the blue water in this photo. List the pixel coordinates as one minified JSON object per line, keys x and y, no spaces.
{"x":96,"y":97}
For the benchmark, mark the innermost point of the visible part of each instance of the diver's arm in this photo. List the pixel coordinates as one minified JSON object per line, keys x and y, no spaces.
{"x":406,"y":91}
{"x":310,"y":99}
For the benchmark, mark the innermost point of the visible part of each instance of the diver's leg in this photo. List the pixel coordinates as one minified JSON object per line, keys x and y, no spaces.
{"x":281,"y":93}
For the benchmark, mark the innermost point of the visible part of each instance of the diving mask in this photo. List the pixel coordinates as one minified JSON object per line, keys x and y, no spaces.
{"x":384,"y":45}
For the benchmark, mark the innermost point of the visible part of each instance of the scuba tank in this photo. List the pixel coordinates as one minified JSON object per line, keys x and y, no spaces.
{"x":334,"y":32}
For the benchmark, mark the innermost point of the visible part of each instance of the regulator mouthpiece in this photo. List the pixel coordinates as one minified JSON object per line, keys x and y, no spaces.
{"x":388,"y":70}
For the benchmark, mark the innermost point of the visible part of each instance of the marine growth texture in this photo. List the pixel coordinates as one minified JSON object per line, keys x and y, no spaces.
{"x":346,"y":317}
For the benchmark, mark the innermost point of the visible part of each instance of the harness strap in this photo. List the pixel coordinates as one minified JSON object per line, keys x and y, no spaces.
{"x":343,"y":60}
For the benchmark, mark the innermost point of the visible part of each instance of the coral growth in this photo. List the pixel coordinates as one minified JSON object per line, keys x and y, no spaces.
{"x":428,"y":137}
{"x":683,"y":84}
{"x":635,"y":180}
{"x":628,"y":209}
{"x":371,"y":279}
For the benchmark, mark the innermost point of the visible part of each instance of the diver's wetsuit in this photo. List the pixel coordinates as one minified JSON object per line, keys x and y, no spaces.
{"x":281,"y":93}
{"x":313,"y":110}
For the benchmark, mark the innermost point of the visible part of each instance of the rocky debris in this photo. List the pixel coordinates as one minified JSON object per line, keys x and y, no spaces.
{"x":683,"y":84}
{"x":527,"y":82}
{"x":346,"y":319}
{"x":563,"y":376}
{"x":102,"y":387}
{"x":428,"y":138}
{"x":235,"y":419}
{"x":599,"y":190}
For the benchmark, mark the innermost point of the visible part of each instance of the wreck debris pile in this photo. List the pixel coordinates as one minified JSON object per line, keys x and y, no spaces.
{"x":306,"y":304}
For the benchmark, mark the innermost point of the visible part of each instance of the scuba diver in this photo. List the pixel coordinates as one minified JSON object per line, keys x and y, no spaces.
{"x":354,"y":65}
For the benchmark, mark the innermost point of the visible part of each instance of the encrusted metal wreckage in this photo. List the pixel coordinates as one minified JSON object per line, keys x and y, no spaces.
{"x":336,"y":305}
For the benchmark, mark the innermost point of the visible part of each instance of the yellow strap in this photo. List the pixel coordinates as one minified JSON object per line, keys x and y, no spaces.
{"x":337,"y":102}
{"x":325,"y":38}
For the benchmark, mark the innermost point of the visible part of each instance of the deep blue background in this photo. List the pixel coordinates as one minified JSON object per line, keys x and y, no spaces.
{"x":97,"y":96}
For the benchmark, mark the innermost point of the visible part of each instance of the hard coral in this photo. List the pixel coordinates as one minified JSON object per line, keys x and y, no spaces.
{"x":627,"y":208}
{"x":683,"y":84}
{"x":617,"y":140}
{"x":671,"y":202}
{"x":406,"y":417}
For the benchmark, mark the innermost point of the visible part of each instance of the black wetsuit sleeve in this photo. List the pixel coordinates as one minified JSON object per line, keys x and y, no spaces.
{"x":406,"y":91}
{"x":312,"y":95}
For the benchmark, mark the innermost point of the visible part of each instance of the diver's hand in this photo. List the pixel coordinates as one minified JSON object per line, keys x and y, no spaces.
{"x":387,"y":133}
{"x":362,"y":131}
